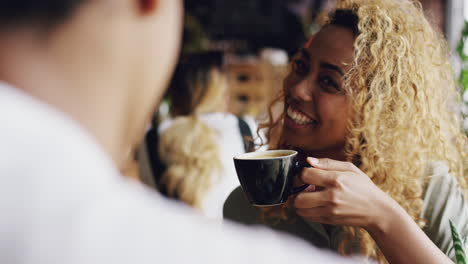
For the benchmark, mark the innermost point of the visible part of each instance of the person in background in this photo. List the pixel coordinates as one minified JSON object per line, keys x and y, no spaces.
{"x":198,"y":142}
{"x":79,"y":82}
{"x":370,"y":101}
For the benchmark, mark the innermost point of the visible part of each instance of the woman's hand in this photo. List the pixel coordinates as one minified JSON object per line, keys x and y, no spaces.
{"x":348,"y":196}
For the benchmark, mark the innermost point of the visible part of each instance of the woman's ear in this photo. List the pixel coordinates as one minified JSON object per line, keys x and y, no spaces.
{"x":147,"y":6}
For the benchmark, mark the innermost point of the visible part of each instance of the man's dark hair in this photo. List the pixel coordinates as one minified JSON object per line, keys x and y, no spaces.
{"x":47,"y":13}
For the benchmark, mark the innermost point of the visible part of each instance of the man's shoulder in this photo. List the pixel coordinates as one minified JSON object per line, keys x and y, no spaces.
{"x":38,"y":139}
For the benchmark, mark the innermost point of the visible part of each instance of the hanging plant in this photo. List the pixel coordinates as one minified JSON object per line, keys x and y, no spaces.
{"x":458,"y":245}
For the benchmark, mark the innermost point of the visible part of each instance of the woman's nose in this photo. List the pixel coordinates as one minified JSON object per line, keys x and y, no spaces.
{"x":303,"y":90}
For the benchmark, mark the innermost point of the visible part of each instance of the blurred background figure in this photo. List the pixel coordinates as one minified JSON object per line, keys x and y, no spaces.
{"x":199,"y":137}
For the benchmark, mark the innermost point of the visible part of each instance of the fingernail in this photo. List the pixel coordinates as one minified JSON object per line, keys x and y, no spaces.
{"x":311,"y":188}
{"x":313,"y":161}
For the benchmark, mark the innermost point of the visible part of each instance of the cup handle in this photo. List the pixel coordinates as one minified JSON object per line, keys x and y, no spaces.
{"x":300,"y":166}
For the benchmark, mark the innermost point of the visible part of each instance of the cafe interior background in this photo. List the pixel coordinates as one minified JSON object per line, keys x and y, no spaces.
{"x":258,"y":37}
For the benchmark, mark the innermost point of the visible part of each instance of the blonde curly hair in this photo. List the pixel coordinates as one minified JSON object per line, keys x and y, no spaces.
{"x":403,"y":94}
{"x":189,"y":148}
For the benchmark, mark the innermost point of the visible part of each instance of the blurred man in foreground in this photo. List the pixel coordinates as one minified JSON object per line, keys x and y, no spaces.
{"x":80,"y":79}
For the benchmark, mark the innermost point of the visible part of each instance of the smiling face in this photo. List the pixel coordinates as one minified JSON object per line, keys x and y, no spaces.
{"x":316,"y":104}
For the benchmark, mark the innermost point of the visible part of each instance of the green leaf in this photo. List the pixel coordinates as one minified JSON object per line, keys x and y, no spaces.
{"x":461,"y":44}
{"x":458,"y":245}
{"x":464,"y":79}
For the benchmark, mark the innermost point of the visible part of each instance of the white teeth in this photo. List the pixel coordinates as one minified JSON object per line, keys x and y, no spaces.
{"x":298,"y":117}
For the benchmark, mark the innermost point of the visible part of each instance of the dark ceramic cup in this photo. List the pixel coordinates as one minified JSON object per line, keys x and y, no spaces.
{"x":266,"y":177}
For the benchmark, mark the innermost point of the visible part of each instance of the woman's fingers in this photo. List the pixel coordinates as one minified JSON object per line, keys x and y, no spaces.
{"x":333,"y":165}
{"x":313,"y":212}
{"x":311,"y":199}
{"x":319,"y":177}
{"x":321,"y":214}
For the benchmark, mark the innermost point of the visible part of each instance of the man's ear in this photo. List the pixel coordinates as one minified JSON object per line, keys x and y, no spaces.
{"x":147,"y":6}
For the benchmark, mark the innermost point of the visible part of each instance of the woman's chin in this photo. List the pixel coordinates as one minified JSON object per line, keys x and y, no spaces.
{"x":297,"y":146}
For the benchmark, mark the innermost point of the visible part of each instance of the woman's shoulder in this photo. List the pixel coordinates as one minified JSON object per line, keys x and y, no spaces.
{"x":442,"y":192}
{"x":237,"y":208}
{"x":440,"y":181}
{"x":444,"y":201}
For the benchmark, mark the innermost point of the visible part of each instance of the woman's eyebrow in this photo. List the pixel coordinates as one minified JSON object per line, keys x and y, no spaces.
{"x":332,"y":67}
{"x":304,"y":53}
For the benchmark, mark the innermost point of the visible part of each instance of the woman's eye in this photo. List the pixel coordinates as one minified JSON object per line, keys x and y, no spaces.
{"x":300,"y":67}
{"x":329,"y":84}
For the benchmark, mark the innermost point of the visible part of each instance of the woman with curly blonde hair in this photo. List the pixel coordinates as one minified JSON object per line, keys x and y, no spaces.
{"x":370,"y":102}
